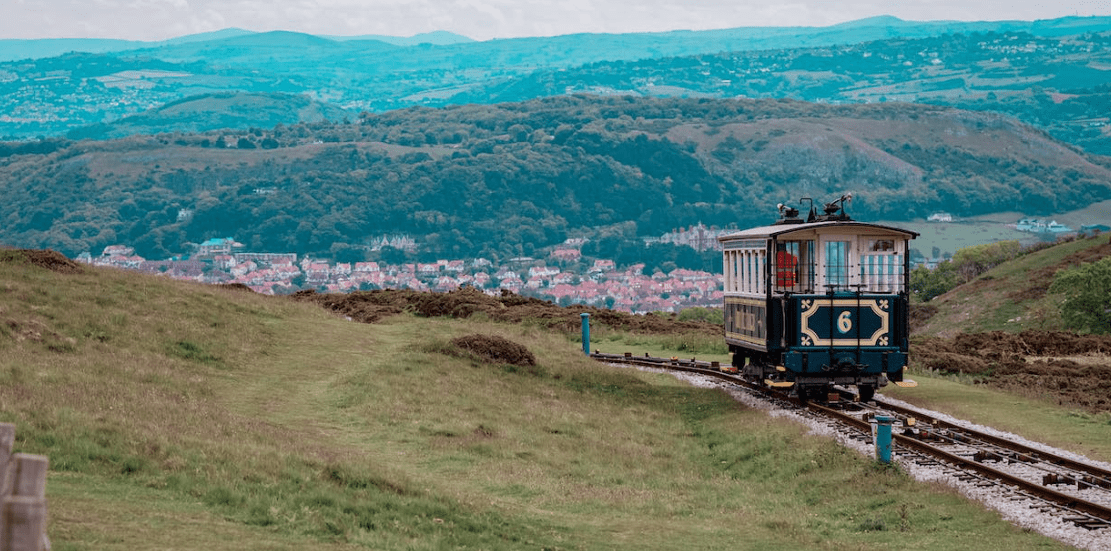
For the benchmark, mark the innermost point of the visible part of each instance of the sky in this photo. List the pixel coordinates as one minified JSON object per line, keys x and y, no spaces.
{"x":485,"y":19}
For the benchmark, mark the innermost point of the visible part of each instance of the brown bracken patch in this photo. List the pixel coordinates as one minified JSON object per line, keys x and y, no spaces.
{"x":919,"y":314}
{"x":371,"y":306}
{"x":363,"y":307}
{"x":495,"y":349}
{"x":48,"y":259}
{"x":1074,"y":370}
{"x":234,"y":287}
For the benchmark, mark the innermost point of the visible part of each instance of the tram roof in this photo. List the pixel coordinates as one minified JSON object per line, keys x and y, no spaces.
{"x":778,"y":230}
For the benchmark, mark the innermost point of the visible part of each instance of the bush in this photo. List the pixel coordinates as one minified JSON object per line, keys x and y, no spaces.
{"x":1087,"y":290}
{"x":715,"y":316}
{"x":925,"y":284}
{"x":965,"y":266}
{"x":973,"y":261}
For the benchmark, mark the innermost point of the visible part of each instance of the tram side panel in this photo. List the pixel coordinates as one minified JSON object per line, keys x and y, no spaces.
{"x":746,"y":323}
{"x":850,"y":339}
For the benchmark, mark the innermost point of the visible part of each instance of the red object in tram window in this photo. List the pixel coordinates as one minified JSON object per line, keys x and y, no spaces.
{"x":785,"y":263}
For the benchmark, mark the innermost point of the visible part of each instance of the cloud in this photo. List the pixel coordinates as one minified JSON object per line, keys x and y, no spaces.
{"x":482,"y":19}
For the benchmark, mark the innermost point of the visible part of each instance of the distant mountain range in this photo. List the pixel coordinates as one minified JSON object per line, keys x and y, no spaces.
{"x":1054,"y":74}
{"x":30,"y":49}
{"x":315,"y":145}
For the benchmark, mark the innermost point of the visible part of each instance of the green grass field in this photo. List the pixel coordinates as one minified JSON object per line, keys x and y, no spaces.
{"x":1038,"y":419}
{"x":178,"y":416}
{"x":989,"y":228}
{"x":993,"y":301}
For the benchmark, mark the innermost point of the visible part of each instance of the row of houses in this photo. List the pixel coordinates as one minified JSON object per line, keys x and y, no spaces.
{"x":602,"y":284}
{"x":698,"y":237}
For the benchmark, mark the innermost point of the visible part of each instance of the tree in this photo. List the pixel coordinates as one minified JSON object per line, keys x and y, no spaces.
{"x":925,"y":284}
{"x":1087,"y":290}
{"x":977,"y":259}
{"x":345,"y":252}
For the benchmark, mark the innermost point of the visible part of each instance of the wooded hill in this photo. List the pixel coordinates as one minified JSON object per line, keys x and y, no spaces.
{"x":508,"y":180}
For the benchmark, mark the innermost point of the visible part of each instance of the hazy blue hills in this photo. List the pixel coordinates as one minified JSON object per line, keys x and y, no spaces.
{"x":1054,"y":74}
{"x":436,"y":38}
{"x":20,"y":49}
{"x":226,"y":110}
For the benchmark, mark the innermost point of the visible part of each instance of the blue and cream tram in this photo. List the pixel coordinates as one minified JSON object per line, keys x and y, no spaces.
{"x":818,"y":302}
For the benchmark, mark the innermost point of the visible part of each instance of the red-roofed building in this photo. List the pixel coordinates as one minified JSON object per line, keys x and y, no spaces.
{"x":566,"y":255}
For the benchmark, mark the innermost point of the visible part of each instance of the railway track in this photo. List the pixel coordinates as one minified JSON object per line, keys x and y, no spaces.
{"x":1071,"y":490}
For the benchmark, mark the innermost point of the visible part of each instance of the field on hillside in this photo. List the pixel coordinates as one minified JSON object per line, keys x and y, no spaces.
{"x":191,"y":417}
{"x":1013,"y":296}
{"x":989,"y":228}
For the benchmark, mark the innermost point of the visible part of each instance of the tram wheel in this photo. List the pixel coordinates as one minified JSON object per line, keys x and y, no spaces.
{"x":803,"y":395}
{"x":866,"y":393}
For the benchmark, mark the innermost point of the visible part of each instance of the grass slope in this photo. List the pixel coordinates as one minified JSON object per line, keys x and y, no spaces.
{"x":1012,"y":296}
{"x":1002,"y":380}
{"x":1037,"y":418}
{"x":207,"y":112}
{"x":190,"y":417}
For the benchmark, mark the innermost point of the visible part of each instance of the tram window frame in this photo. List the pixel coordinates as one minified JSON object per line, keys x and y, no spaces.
{"x":838,"y":275}
{"x":799,"y":276}
{"x":881,"y":245}
{"x":881,"y":264}
{"x":744,"y":265}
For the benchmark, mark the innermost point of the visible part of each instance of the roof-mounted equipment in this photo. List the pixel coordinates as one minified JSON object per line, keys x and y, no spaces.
{"x":788,"y":215}
{"x":834,"y":210}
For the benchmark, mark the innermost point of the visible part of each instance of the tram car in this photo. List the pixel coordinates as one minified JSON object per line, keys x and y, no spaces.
{"x":818,"y":302}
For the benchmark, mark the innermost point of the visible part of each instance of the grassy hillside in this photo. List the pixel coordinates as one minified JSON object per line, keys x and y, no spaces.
{"x":1013,"y":296}
{"x":208,"y":112}
{"x":189,"y":417}
{"x":1004,"y":331}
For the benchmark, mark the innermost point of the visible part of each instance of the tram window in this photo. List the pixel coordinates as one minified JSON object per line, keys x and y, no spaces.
{"x":881,"y":245}
{"x":807,"y":268}
{"x":794,"y":266}
{"x":787,"y":265}
{"x":881,"y":266}
{"x":836,"y":264}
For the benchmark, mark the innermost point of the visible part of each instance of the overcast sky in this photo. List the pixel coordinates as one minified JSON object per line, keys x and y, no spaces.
{"x":485,"y":19}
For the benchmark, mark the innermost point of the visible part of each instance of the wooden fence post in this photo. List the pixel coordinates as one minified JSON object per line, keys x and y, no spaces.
{"x":24,"y":520}
{"x":22,"y":497}
{"x":7,"y":440}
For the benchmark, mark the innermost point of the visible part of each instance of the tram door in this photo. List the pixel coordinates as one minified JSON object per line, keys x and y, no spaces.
{"x":836,"y":263}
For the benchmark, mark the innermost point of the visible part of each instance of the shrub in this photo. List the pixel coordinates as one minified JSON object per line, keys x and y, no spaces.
{"x":972,"y":261}
{"x":1087,"y":290}
{"x":925,"y":284}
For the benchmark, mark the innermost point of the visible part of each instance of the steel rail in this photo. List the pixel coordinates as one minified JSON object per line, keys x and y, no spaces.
{"x":1065,"y":501}
{"x":1024,"y":453}
{"x":1094,"y":515}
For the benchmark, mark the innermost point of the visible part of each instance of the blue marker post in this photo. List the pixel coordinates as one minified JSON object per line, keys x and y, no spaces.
{"x":883,"y":438}
{"x":586,"y":333}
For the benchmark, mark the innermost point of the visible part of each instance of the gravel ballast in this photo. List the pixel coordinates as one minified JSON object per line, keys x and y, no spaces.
{"x":1017,"y":512}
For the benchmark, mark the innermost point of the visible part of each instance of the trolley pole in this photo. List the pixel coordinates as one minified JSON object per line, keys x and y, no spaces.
{"x":586,"y":332}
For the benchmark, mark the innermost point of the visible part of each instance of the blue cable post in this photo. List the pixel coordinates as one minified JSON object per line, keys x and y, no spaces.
{"x":883,"y":438}
{"x":586,"y":333}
